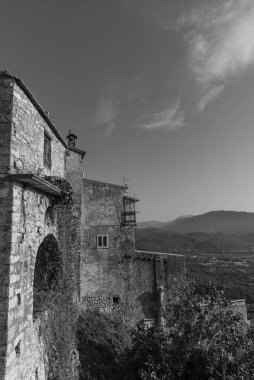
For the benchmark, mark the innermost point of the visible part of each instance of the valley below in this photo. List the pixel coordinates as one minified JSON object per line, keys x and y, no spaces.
{"x":224,"y":257}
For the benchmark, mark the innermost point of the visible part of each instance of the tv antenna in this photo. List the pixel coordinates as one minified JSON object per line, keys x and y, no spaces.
{"x":125,"y":180}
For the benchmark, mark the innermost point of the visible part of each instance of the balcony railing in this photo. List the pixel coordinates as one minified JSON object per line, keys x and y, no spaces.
{"x":129,"y":218}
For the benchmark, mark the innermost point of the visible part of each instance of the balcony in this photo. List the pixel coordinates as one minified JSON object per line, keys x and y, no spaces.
{"x":129,"y":212}
{"x":129,"y":218}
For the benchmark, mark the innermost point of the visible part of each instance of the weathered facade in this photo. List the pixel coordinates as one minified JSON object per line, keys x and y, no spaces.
{"x":97,"y":229}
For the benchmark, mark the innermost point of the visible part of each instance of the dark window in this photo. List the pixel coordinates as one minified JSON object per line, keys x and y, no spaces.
{"x":17,"y":349}
{"x":116,"y":300}
{"x":102,"y":241}
{"x":129,"y":212}
{"x":47,"y":150}
{"x":19,"y":299}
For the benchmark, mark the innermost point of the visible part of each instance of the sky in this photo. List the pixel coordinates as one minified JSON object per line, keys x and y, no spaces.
{"x":159,"y":92}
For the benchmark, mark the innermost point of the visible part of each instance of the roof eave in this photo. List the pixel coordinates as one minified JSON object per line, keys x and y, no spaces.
{"x":35,"y":103}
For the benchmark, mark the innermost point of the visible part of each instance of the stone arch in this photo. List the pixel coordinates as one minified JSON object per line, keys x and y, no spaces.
{"x":48,"y":267}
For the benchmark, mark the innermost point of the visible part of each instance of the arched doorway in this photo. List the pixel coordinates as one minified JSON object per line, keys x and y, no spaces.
{"x":46,"y":273}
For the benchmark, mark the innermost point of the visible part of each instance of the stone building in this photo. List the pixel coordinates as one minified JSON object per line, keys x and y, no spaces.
{"x":97,"y":229}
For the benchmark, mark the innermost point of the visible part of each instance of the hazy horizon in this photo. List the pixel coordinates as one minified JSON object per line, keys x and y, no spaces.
{"x":160,"y":93}
{"x":191,"y":215}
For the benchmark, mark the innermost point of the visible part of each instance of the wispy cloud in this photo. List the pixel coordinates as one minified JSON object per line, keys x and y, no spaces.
{"x":210,"y":96}
{"x":220,"y":42}
{"x":108,"y":108}
{"x":171,"y":118}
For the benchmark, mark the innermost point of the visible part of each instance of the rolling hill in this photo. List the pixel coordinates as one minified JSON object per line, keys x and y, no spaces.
{"x":229,"y":222}
{"x":218,"y":246}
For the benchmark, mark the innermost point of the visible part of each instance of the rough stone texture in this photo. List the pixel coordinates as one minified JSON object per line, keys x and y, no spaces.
{"x":22,"y":228}
{"x":28,"y":139}
{"x":102,"y":269}
{"x":28,"y":231}
{"x":6,"y":96}
{"x":5,"y":254}
{"x":118,"y":280}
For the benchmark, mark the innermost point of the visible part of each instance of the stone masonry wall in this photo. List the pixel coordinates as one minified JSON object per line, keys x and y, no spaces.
{"x":27,"y":144}
{"x":6,"y":91}
{"x":119,"y":280}
{"x":5,"y":260}
{"x":104,"y":273}
{"x":6,"y":94}
{"x":23,"y":227}
{"x":29,"y":228}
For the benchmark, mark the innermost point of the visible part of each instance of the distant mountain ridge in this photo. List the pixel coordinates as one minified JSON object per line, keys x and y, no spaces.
{"x":157,"y":240}
{"x":228,"y":222}
{"x":151,"y":224}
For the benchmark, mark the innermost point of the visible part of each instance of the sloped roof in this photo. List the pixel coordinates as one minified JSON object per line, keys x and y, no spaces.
{"x":91,"y":182}
{"x":37,"y":105}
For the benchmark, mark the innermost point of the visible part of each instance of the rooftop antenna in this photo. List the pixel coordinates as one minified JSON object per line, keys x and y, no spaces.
{"x":125,"y":180}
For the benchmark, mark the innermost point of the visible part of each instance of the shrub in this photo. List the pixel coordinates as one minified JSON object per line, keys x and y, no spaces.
{"x":101,"y":343}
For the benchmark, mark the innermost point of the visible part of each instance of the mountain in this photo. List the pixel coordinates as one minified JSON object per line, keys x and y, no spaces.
{"x":228,"y":222}
{"x":158,"y":224}
{"x":151,"y":224}
{"x":152,"y":239}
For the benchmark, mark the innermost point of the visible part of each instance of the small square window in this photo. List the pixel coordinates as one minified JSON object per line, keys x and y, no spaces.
{"x":116,"y":300}
{"x":47,"y":151}
{"x":102,"y":241}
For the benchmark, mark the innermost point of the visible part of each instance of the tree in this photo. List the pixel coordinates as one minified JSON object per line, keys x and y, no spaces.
{"x":202,"y":338}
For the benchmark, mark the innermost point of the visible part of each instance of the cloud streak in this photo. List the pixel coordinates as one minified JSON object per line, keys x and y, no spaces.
{"x":108,"y":108}
{"x":220,"y":43}
{"x":210,"y":96}
{"x":171,"y":118}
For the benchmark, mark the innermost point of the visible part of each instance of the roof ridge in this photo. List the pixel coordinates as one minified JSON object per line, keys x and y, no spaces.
{"x":42,"y":112}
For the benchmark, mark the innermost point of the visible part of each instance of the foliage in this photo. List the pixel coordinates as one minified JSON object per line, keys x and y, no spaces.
{"x":57,"y":325}
{"x":55,"y":306}
{"x":65,"y":187}
{"x":101,"y":342}
{"x":201,"y":339}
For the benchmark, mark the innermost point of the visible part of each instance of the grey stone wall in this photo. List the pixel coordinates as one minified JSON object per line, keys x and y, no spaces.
{"x":119,"y":280}
{"x":116,"y":279}
{"x":104,"y":273}
{"x":23,"y":227}
{"x":5,"y":259}
{"x":27,"y":143}
{"x":6,"y":96}
{"x":28,"y":231}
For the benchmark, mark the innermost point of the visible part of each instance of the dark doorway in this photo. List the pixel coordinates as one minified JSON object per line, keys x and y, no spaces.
{"x":46,"y":273}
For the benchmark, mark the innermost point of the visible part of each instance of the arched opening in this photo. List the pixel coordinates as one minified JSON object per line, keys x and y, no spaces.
{"x":46,"y":273}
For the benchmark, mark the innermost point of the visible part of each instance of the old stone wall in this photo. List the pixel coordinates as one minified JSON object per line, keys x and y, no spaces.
{"x":27,"y":145}
{"x":29,"y":228}
{"x":35,"y":216}
{"x":5,"y":260}
{"x":149,"y":278}
{"x":103,"y":271}
{"x":117,"y":279}
{"x":24,"y":224}
{"x":6,"y":96}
